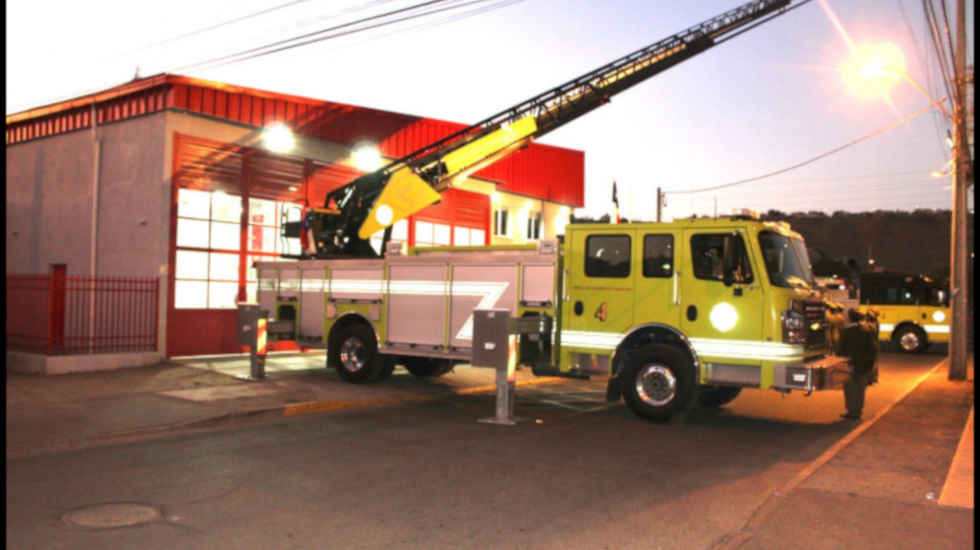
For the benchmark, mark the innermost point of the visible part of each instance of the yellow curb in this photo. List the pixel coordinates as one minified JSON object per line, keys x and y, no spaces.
{"x":321,"y":406}
{"x":486,"y":389}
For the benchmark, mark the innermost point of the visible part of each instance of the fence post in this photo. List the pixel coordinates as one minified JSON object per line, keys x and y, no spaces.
{"x":56,"y":308}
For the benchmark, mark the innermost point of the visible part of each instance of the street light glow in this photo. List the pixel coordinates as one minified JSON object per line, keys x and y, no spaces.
{"x":873,"y":70}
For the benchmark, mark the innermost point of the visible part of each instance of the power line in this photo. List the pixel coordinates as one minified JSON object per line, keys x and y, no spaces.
{"x":337,"y":31}
{"x":222,"y":24}
{"x":877,"y":132}
{"x":923,"y":61}
{"x":941,"y":54}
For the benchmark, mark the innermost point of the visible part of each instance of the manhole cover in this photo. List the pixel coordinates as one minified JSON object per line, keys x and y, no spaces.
{"x":105,"y":516}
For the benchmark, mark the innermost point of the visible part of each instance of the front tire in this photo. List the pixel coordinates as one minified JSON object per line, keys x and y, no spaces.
{"x":717,"y":396}
{"x":658,"y":382}
{"x":910,"y":339}
{"x":355,"y":354}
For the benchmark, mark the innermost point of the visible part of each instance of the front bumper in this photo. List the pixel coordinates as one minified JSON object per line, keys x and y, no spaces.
{"x":827,"y":373}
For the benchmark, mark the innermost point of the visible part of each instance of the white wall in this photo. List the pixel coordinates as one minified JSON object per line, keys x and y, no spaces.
{"x":49,"y":201}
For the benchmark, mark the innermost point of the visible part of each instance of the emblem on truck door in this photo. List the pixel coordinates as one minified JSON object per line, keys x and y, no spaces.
{"x":600,"y":312}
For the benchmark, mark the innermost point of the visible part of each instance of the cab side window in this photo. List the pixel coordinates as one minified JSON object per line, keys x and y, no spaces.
{"x":658,"y":255}
{"x":707,"y":255}
{"x":607,"y":256}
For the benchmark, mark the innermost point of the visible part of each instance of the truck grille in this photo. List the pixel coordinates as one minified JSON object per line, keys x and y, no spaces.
{"x":816,"y":325}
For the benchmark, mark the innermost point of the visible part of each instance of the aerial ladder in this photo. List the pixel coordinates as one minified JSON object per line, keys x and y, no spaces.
{"x":373,"y":202}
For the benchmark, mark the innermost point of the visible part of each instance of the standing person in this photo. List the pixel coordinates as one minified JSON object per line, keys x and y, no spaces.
{"x":858,"y":342}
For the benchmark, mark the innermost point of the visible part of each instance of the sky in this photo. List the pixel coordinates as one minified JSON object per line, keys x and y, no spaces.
{"x":767,"y":100}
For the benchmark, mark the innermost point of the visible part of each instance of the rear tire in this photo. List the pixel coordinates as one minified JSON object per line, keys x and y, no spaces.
{"x":716,"y":396}
{"x":355,"y":354}
{"x":658,"y":382}
{"x":910,"y":339}
{"x":427,"y":367}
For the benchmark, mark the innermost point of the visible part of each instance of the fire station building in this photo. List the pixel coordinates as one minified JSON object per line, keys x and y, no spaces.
{"x":177,"y":180}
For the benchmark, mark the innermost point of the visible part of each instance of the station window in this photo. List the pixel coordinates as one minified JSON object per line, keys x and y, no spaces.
{"x":500,"y":223}
{"x":209,"y":251}
{"x":534,"y":226}
{"x":607,"y":256}
{"x":468,"y":236}
{"x":658,"y":255}
{"x":399,"y":232}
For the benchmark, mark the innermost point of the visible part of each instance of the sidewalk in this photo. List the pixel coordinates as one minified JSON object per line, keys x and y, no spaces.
{"x":47,"y":414}
{"x":905,"y":482}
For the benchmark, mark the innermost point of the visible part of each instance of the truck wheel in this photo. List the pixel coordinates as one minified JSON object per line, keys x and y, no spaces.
{"x":427,"y":367}
{"x":356,"y":354}
{"x":910,"y":339}
{"x":716,"y":396}
{"x":387,"y":367}
{"x":658,"y":382}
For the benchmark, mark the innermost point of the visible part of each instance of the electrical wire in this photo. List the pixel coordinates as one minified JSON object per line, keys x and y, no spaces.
{"x":865,"y":137}
{"x":935,"y":36}
{"x":337,"y":32}
{"x":922,"y":59}
{"x":222,"y":24}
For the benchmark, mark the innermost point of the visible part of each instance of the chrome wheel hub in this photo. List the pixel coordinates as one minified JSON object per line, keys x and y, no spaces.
{"x":909,"y":341}
{"x":656,"y":385}
{"x":352,"y":355}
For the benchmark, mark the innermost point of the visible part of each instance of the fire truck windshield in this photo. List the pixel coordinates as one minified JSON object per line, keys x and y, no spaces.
{"x":786,"y":260}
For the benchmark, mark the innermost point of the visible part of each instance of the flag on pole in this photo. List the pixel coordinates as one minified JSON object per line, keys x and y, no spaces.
{"x":615,"y":200}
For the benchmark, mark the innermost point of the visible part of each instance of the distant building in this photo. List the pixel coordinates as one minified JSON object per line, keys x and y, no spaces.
{"x":184,"y":188}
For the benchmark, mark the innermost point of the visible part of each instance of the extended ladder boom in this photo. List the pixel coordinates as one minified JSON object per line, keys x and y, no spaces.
{"x":377,"y":200}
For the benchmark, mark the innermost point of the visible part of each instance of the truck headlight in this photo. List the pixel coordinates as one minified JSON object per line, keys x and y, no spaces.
{"x":794,"y":324}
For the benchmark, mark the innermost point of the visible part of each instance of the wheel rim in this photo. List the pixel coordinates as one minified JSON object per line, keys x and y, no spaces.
{"x":909,"y":341}
{"x":352,"y":354}
{"x":656,"y":385}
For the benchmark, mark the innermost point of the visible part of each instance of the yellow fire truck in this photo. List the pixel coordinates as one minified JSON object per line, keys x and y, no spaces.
{"x":691,"y":310}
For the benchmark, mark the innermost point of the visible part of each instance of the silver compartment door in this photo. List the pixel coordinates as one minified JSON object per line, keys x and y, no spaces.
{"x":417,"y":304}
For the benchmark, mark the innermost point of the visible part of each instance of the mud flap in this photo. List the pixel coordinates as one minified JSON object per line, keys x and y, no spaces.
{"x":614,"y":389}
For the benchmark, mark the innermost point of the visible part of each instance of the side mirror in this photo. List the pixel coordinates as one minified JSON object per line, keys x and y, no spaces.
{"x":728,"y":261}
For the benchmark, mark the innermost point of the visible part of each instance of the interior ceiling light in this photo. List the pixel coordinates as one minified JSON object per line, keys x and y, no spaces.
{"x":366,"y":157}
{"x":278,"y":138}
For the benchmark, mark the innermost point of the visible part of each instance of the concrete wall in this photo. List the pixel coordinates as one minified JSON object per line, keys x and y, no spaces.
{"x":50,"y":196}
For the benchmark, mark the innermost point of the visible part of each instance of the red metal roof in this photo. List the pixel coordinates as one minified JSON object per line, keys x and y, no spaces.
{"x":539,"y":171}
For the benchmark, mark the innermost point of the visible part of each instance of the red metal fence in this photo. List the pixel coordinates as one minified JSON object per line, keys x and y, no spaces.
{"x":61,"y":314}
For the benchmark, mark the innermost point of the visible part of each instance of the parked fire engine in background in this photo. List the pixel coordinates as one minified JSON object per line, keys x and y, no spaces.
{"x":675,"y":313}
{"x":912,"y":311}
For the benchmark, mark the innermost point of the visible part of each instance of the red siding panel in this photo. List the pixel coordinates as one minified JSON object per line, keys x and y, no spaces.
{"x":539,"y":171}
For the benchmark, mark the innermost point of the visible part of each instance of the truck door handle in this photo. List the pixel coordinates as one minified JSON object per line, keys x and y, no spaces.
{"x":692,"y":313}
{"x":677,"y":296}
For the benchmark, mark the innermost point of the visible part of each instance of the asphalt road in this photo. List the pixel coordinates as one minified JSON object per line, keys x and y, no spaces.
{"x":577,"y":473}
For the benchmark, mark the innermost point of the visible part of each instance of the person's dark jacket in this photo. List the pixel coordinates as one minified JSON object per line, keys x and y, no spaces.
{"x":859,"y":342}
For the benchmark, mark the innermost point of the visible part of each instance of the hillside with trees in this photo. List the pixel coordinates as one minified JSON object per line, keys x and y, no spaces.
{"x":916,"y":241}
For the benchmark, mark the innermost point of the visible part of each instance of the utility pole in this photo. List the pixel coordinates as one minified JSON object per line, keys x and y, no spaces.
{"x":959,"y":285}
